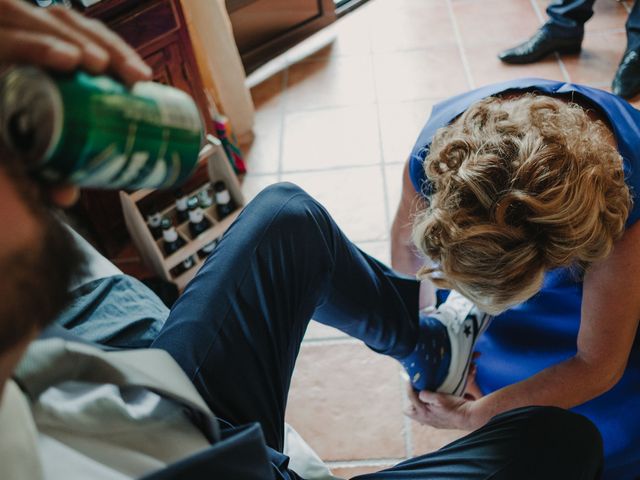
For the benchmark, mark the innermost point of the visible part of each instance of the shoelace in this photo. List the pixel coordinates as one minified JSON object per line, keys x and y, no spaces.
{"x":454,"y":321}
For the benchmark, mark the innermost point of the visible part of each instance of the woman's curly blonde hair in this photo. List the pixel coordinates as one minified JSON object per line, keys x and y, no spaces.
{"x":520,"y":187}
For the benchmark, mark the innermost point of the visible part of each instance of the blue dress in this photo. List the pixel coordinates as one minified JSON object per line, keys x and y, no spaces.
{"x":543,"y":331}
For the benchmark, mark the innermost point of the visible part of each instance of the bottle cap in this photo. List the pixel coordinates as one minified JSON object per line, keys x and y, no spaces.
{"x":204,"y":198}
{"x":154,"y":219}
{"x":209,"y":247}
{"x":182,"y":203}
{"x":196,"y":215}
{"x":188,"y":262}
{"x":223,"y":197}
{"x":193,"y":203}
{"x":169,"y":233}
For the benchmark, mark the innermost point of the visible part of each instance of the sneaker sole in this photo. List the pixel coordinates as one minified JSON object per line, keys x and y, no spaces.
{"x":462,"y":374}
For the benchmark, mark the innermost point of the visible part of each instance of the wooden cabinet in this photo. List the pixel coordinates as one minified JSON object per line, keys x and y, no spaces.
{"x":168,"y":69}
{"x":157,"y":30}
{"x":147,"y":23}
{"x":266,"y":28}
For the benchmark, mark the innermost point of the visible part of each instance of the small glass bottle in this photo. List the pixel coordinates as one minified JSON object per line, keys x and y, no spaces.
{"x":187,"y":264}
{"x":182,"y":206}
{"x":224,"y":203}
{"x":204,"y":198}
{"x":154,"y":221}
{"x":205,"y":251}
{"x":171,"y":241}
{"x":198,"y":223}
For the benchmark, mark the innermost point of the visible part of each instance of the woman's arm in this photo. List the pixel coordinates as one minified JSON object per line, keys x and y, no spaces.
{"x":404,"y":257}
{"x":610,"y":314}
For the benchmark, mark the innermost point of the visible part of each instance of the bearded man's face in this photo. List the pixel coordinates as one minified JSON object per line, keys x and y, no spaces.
{"x":38,"y":261}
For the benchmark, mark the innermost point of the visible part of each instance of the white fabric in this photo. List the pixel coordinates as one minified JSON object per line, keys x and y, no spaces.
{"x":77,"y":443}
{"x":60,"y":461}
{"x":18,"y":437}
{"x":97,"y":266}
{"x":144,"y":432}
{"x":303,"y":459}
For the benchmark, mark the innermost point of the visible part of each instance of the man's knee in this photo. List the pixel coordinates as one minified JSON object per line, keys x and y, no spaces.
{"x":577,"y":430}
{"x":560,"y":436}
{"x":287,"y":204}
{"x":280,"y":192}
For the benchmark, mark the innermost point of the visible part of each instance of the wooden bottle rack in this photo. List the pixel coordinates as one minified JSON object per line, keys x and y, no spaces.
{"x":151,"y":251}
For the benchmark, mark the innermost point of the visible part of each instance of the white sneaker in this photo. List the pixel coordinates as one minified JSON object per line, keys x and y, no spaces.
{"x":465,"y":323}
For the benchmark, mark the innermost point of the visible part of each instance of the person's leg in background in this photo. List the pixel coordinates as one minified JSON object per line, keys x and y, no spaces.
{"x":563,"y":33}
{"x":633,"y":27}
{"x":525,"y":444}
{"x":626,"y":82}
{"x":237,"y":330}
{"x":567,"y":17}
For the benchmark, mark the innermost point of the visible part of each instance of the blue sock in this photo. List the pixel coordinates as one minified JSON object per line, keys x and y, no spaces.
{"x":429,"y":362}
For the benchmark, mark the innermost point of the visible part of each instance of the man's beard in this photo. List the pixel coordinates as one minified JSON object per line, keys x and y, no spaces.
{"x":35,"y":279}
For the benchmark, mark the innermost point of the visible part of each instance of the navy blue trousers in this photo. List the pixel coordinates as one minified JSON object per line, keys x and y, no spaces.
{"x":237,"y":330}
{"x":567,"y":19}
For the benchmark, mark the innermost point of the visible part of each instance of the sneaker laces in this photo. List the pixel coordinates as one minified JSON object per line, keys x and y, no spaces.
{"x":453,"y":321}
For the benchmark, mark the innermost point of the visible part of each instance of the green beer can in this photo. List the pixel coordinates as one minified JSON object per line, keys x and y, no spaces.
{"x":95,"y":132}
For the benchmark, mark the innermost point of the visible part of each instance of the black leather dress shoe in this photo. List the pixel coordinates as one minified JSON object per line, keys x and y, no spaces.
{"x":626,"y":83}
{"x":541,"y":44}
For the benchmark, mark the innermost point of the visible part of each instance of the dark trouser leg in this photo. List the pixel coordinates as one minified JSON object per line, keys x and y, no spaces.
{"x":530,"y":443}
{"x":237,"y":328}
{"x":633,"y":27}
{"x":567,"y":17}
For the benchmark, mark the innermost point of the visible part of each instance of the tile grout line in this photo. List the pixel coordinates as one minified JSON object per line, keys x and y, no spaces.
{"x":381,"y":163}
{"x":463,"y":56}
{"x":348,"y":106}
{"x":323,"y":341}
{"x":324,"y":170}
{"x":376,"y":462}
{"x":385,"y":187}
{"x":383,"y":160}
{"x":283,"y":111}
{"x":330,"y":169}
{"x":563,"y":68}
{"x":561,"y":65}
{"x":406,"y":421}
{"x":321,"y":169}
{"x":537,"y":11}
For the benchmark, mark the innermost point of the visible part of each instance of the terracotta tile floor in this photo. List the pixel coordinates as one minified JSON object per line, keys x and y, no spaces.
{"x":339,"y":123}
